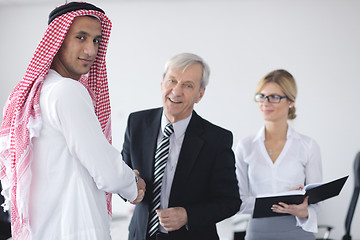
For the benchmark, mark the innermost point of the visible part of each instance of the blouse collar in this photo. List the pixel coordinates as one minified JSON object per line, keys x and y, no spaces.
{"x":261,"y":134}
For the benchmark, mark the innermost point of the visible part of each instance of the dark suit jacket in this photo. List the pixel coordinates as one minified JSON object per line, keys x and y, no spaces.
{"x":204,"y":183}
{"x":5,"y":226}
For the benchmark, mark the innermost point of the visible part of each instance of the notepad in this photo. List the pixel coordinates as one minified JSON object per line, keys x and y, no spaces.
{"x":317,"y":192}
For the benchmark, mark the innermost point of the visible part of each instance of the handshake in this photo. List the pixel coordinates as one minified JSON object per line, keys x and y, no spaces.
{"x":141,"y":186}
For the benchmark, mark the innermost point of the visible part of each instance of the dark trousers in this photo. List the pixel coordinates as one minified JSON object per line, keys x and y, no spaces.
{"x":239,"y":235}
{"x":159,"y":236}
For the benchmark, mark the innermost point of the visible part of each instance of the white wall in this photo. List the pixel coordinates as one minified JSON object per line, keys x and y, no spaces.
{"x":316,"y":40}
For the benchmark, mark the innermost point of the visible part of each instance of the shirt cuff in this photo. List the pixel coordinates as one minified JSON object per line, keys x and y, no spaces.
{"x":308,"y":224}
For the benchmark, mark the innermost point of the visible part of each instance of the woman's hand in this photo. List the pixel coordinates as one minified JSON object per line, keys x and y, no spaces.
{"x":298,"y":187}
{"x":299,"y":210}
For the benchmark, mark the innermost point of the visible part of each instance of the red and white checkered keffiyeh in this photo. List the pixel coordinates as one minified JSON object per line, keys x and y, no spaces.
{"x":22,"y":115}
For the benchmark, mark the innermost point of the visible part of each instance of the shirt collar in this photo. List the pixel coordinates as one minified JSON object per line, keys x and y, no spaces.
{"x":179,"y":126}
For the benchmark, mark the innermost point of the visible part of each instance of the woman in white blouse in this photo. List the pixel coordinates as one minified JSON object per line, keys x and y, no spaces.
{"x":278,"y":159}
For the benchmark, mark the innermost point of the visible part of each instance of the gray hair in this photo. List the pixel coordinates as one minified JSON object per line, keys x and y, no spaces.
{"x":184,"y":60}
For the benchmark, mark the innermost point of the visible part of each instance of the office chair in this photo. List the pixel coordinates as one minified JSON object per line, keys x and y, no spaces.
{"x":328,"y":229}
{"x":354,"y":198}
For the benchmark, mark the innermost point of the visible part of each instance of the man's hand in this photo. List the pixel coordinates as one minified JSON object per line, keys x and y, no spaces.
{"x":141,"y":186}
{"x":299,"y":210}
{"x":172,"y":218}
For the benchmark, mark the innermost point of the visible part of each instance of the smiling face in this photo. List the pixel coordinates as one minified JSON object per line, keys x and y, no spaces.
{"x":79,"y":49}
{"x":274,"y":112}
{"x":180,"y":91}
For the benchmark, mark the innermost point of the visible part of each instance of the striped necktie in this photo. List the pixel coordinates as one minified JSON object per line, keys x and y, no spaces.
{"x":161,"y":156}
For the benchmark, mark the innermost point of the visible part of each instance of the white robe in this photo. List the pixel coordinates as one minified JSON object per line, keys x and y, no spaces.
{"x":73,"y":165}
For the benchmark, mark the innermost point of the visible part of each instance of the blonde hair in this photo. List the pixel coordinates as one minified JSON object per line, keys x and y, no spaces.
{"x":287,"y":84}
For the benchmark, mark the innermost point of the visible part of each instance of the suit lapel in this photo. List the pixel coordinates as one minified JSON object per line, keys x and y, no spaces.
{"x":150,"y":133}
{"x":190,"y":149}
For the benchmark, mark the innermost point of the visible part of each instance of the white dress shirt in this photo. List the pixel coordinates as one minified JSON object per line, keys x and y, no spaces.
{"x":299,"y":163}
{"x":73,"y":165}
{"x":176,"y":140}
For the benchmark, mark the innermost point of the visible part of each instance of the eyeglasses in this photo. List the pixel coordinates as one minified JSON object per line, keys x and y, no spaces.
{"x":271,"y":98}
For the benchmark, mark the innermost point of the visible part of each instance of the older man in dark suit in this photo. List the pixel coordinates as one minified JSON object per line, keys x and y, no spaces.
{"x":186,"y":161}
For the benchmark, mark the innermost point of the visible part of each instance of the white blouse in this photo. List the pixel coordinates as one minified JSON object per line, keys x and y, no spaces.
{"x":299,"y":163}
{"x":73,"y":166}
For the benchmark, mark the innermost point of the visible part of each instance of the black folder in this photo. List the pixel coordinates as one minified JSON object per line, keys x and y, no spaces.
{"x":316,"y":192}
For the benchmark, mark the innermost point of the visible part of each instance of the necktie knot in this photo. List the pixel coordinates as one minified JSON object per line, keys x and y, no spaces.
{"x":169,"y":129}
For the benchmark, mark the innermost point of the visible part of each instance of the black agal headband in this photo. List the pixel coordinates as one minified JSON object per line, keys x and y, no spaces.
{"x":70,"y":7}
